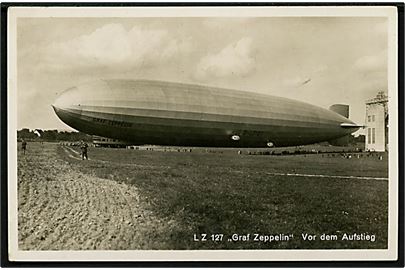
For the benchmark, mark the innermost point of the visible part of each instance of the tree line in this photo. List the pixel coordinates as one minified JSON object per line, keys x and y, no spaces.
{"x":52,"y":135}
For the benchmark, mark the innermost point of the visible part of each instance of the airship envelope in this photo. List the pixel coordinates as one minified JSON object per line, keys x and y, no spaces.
{"x":166,"y":113}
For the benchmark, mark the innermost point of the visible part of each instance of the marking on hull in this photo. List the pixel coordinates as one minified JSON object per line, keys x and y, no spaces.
{"x":331,"y":176}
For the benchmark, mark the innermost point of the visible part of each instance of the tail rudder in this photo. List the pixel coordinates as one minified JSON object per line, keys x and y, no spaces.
{"x":341,"y":109}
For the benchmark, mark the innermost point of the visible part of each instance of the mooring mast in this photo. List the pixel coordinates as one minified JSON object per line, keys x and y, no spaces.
{"x":377,"y":123}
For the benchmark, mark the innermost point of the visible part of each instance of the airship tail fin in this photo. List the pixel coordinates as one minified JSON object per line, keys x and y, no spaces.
{"x":341,"y":109}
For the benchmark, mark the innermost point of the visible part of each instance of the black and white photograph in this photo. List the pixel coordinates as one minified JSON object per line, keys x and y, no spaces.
{"x":203,"y":133}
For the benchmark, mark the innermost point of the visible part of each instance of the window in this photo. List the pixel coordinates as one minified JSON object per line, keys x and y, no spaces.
{"x":373,"y":118}
{"x":369,"y":118}
{"x":369,"y":135}
{"x":373,"y":135}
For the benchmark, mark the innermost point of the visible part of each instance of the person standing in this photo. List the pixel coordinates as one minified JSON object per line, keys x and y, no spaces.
{"x":23,"y":146}
{"x":83,"y":147}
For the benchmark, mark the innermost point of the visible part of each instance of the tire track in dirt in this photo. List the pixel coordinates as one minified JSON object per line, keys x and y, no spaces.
{"x":76,"y":155}
{"x":60,"y":208}
{"x":66,"y":149}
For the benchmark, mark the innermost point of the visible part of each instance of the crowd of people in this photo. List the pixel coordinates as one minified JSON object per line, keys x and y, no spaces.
{"x":84,"y":152}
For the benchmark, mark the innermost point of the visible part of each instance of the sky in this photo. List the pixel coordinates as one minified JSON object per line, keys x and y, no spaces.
{"x":319,"y":60}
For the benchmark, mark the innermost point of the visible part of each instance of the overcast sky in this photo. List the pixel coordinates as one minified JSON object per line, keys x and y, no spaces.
{"x":318,"y":60}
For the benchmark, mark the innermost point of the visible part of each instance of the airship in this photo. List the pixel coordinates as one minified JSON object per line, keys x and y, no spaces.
{"x":177,"y":114}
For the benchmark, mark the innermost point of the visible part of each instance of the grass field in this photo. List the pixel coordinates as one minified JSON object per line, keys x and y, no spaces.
{"x":225,"y":193}
{"x":229,"y":193}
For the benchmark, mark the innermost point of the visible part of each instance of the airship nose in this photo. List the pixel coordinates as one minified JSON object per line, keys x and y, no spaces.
{"x":67,"y":105}
{"x":68,"y":99}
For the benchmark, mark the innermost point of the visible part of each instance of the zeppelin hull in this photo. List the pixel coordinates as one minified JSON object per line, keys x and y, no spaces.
{"x":149,"y":112}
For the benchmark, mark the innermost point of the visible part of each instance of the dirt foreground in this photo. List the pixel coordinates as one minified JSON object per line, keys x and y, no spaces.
{"x":129,"y":200}
{"x":60,"y":208}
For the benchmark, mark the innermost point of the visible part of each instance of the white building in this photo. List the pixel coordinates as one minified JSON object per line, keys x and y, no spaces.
{"x":377,"y":123}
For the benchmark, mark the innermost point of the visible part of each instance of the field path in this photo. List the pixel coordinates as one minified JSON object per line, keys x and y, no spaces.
{"x":60,"y":208}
